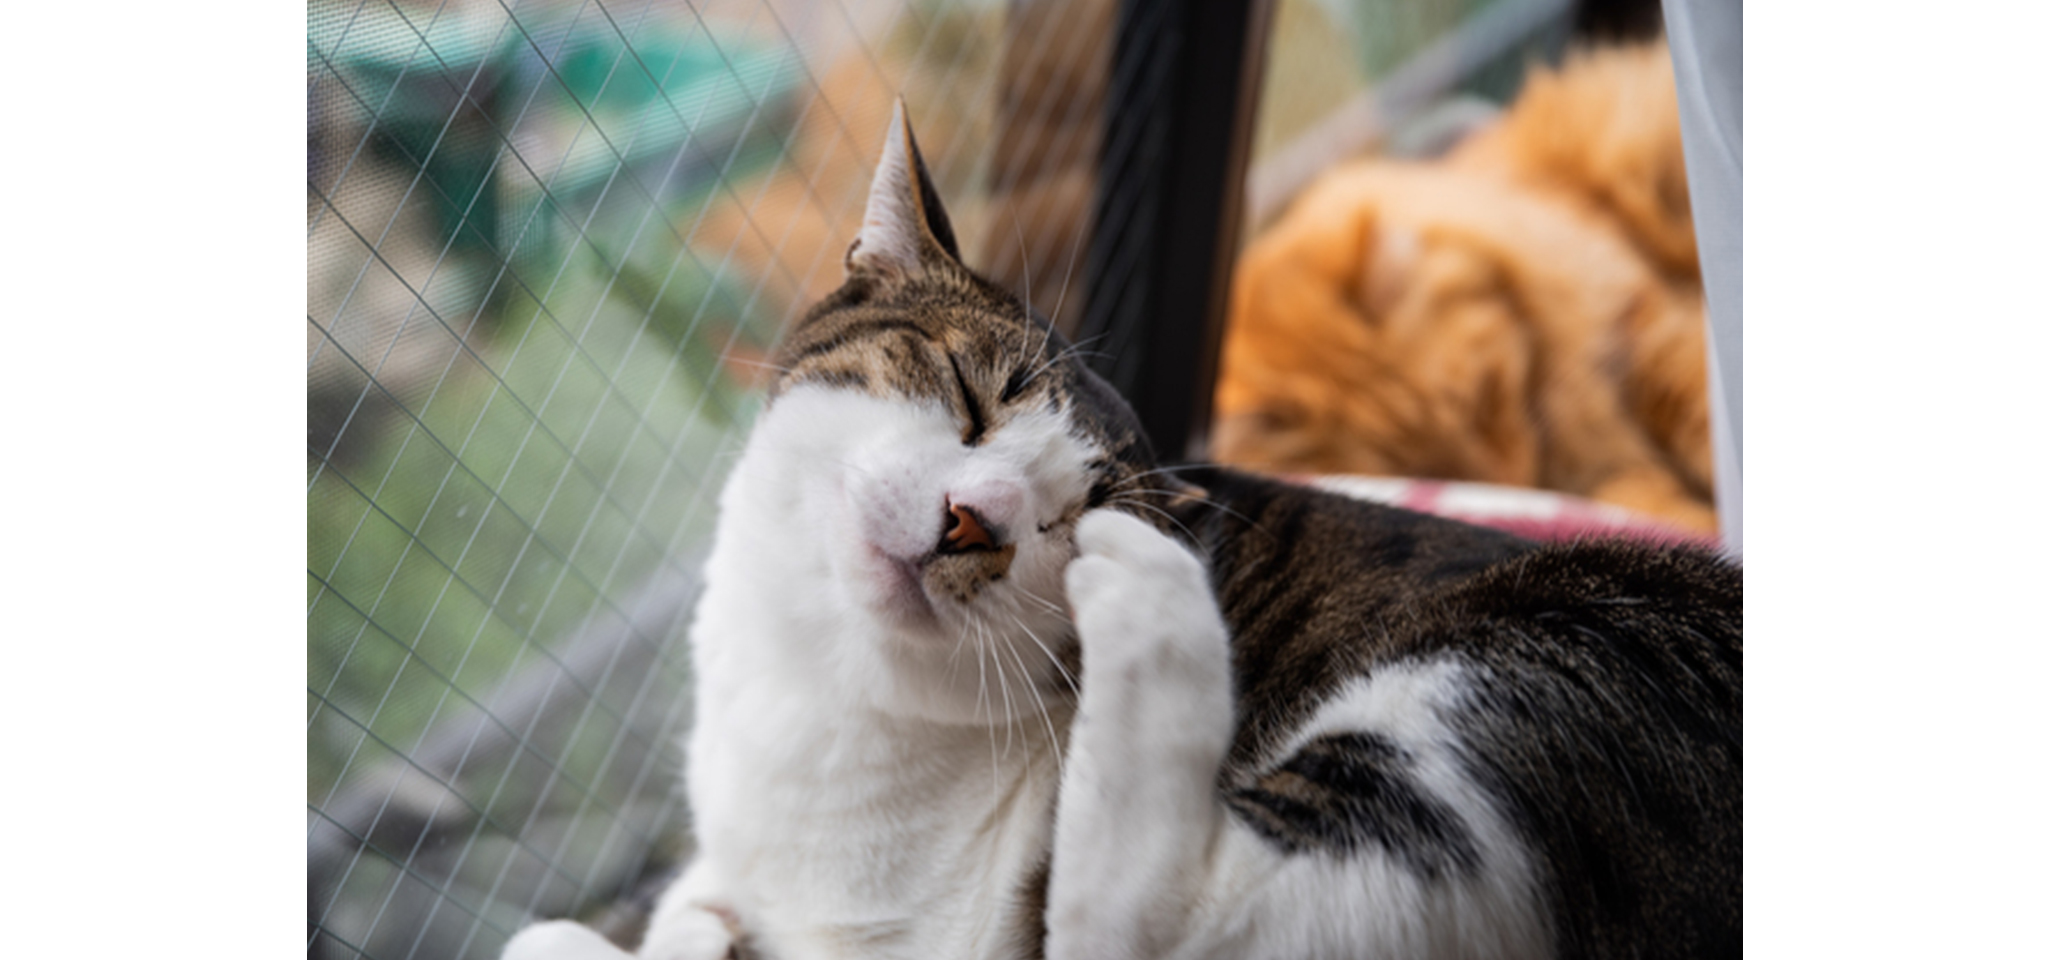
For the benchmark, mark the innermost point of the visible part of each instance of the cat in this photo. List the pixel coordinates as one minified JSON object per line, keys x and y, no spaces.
{"x":1526,"y":311}
{"x":977,"y":677}
{"x":1600,"y":133}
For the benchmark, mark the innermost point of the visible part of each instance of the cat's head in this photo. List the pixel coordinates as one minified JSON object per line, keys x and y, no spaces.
{"x":939,"y":441}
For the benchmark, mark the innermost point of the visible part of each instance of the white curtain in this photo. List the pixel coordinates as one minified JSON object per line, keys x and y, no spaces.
{"x":1706,"y":50}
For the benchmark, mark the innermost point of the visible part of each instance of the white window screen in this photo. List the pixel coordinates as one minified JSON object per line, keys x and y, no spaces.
{"x":549,"y":244}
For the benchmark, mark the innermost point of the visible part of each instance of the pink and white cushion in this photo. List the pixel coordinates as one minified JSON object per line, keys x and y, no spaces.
{"x":1536,"y":514}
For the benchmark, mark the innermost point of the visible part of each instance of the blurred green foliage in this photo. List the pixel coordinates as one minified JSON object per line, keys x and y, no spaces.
{"x":556,"y":465}
{"x":542,"y":440}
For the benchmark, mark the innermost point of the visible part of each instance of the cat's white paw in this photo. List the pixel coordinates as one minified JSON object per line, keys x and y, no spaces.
{"x":1133,"y":590}
{"x":560,"y":940}
{"x":694,"y":933}
{"x":1155,"y":719}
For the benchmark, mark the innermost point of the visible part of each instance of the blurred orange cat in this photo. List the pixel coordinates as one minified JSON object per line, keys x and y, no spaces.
{"x":1526,"y":311}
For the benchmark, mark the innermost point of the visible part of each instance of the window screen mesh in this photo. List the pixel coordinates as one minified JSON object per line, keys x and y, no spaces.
{"x":549,"y":245}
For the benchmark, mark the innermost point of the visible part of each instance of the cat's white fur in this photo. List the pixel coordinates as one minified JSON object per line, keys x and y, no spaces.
{"x":1270,"y":905}
{"x":856,"y":781}
{"x":876,"y":773}
{"x":863,"y":789}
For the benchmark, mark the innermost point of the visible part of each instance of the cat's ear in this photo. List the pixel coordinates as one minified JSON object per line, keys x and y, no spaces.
{"x":905,"y":232}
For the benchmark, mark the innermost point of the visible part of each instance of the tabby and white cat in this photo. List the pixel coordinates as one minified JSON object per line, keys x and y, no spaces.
{"x":975,"y":678}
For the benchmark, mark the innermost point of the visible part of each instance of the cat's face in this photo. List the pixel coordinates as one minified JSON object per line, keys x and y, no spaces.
{"x":944,"y":443}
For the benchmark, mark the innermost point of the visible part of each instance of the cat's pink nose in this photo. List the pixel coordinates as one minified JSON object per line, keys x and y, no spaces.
{"x":964,"y":531}
{"x":977,"y":515}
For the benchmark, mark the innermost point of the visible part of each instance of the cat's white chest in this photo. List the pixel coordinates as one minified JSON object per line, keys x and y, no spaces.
{"x":859,"y":790}
{"x":840,"y":838}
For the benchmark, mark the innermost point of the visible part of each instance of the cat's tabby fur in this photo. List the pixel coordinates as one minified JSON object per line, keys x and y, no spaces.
{"x":977,"y":678}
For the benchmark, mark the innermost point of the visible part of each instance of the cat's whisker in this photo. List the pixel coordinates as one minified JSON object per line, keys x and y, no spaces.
{"x":1052,"y":319}
{"x":1052,"y":739}
{"x":1084,"y":343}
{"x":1047,"y":604}
{"x":995,"y":763}
{"x":1043,"y":341}
{"x":987,"y":638}
{"x":981,"y":690}
{"x":1039,"y":353}
{"x":756,"y":363}
{"x":1073,"y":253}
{"x":953,"y":659}
{"x":1072,"y":683}
{"x":1198,"y":498}
{"x":1125,"y":495}
{"x":1135,"y":491}
{"x":1159,"y":471}
{"x":1079,"y":350}
{"x":1033,"y":375}
{"x":1071,"y":350}
{"x":1170,"y":518}
{"x":1024,"y":255}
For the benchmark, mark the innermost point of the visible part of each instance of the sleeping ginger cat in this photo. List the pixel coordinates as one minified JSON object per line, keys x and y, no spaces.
{"x":1524,"y":312}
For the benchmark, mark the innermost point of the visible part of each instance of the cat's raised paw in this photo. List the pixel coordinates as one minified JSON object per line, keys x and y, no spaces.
{"x":1119,"y":535}
{"x":1135,"y":590}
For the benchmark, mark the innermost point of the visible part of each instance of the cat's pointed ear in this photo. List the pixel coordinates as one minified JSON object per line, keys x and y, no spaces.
{"x":905,"y":232}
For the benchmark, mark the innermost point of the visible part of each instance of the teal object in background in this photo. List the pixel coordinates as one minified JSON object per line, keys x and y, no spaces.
{"x":577,"y":101}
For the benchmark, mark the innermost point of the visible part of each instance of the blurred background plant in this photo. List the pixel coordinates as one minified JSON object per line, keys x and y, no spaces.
{"x":549,"y":245}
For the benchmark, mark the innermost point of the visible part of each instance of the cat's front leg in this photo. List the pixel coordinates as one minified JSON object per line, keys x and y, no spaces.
{"x":691,"y":922}
{"x":1137,"y":808}
{"x":561,"y":940}
{"x":687,"y":924}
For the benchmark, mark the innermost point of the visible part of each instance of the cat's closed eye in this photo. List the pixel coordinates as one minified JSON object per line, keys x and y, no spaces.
{"x":976,"y":424}
{"x":1013,"y":386}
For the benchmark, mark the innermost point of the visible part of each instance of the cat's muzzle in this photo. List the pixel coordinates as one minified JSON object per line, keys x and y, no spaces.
{"x":971,"y":554}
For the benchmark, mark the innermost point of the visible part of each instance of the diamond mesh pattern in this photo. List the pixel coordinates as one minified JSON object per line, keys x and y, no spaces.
{"x":549,"y":246}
